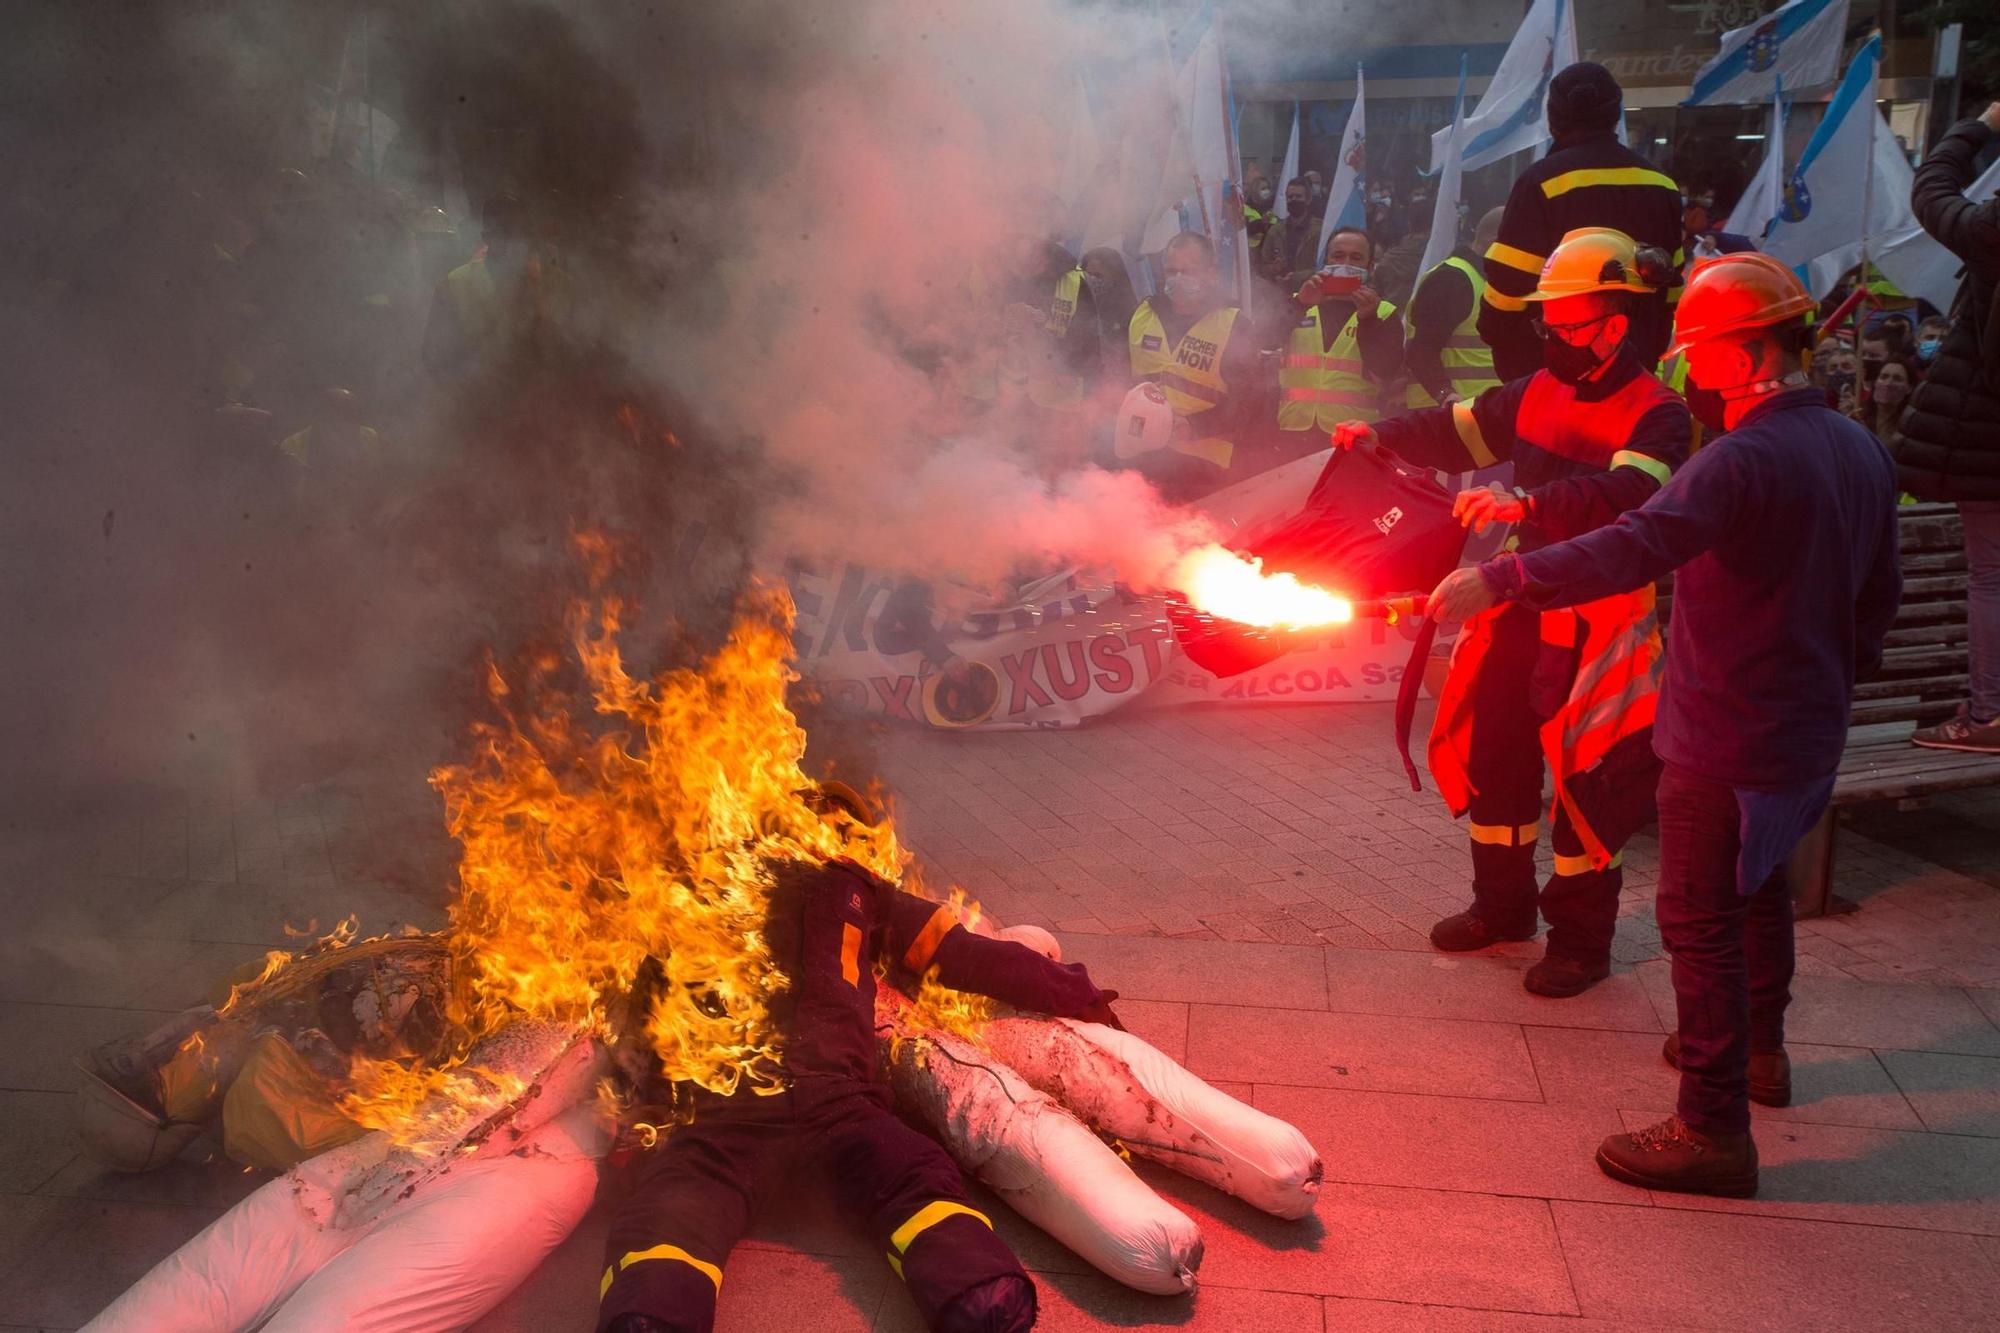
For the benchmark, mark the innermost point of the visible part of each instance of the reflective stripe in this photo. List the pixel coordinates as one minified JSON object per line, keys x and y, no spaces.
{"x":1471,"y":436}
{"x":850,"y":953}
{"x":1499,"y":300}
{"x":918,"y":956}
{"x":1506,"y":835}
{"x":927,"y":1217}
{"x":1321,"y":385}
{"x":1580,"y":865}
{"x":673,"y":1252}
{"x":1646,"y":463}
{"x":1514,"y":258}
{"x":1589,"y":176}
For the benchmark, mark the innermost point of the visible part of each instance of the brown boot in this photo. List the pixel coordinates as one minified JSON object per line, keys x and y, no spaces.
{"x":1770,"y":1073}
{"x":1558,"y":978}
{"x":1676,"y":1157}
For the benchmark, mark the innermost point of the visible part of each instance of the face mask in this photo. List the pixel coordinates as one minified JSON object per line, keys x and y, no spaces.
{"x":1570,"y":364}
{"x":1342,"y":279}
{"x":1839,"y":384}
{"x":1262,"y":198}
{"x":1927,"y":348}
{"x":1184,"y":290}
{"x":1710,"y":408}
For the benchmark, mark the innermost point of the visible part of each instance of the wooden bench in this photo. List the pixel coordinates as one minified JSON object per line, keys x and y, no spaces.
{"x":1922,"y":680}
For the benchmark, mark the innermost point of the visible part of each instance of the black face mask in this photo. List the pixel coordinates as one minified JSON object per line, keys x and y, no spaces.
{"x":1569,"y":363}
{"x":1838,"y":384}
{"x":1710,"y":408}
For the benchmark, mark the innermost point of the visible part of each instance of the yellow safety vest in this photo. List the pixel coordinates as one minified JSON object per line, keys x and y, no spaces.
{"x":1190,"y":373}
{"x":1324,"y":386}
{"x":1466,"y":357}
{"x":1062,"y":307}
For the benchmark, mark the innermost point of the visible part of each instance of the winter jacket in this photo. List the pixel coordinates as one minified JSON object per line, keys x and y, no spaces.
{"x":1950,"y":449}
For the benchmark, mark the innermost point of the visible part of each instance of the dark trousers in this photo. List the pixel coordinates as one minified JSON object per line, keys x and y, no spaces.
{"x":690,"y":1200}
{"x":1518,"y":687}
{"x":1732,"y":955}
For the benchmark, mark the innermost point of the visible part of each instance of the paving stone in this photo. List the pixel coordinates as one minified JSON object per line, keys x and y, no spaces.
{"x":1372,"y":1241}
{"x":1435,"y":985}
{"x":42,"y":1040}
{"x":1778,"y":1273}
{"x":1399,"y":1317}
{"x":1954,"y":1094}
{"x":1834,"y":1085}
{"x":40,"y":1136}
{"x":1451,"y":1143}
{"x":1833,"y":1011}
{"x":201,"y":1177}
{"x":1278,"y":975}
{"x":1161,"y":1023}
{"x":1361,"y":1052}
{"x":97,"y":1249}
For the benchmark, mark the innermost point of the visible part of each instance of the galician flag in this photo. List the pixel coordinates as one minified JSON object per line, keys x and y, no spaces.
{"x":1346,"y":204}
{"x":1831,"y":199}
{"x":1513,"y":114}
{"x":1444,"y":217}
{"x":1764,"y":196}
{"x":1291,"y":167}
{"x":1799,"y":42}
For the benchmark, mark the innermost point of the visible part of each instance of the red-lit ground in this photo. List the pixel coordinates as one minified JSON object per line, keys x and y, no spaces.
{"x":1257,"y":884}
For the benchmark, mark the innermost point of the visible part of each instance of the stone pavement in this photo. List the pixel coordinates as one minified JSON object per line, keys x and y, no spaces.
{"x":1256,"y":883}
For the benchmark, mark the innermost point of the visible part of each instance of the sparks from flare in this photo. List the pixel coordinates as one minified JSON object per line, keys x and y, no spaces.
{"x":1218,"y":581}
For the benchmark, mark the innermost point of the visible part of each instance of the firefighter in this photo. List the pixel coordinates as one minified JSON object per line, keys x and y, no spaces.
{"x":1588,"y":179}
{"x":1592,"y":435}
{"x":1784,"y":530}
{"x":1346,"y":345}
{"x":1447,"y":360}
{"x":691,"y":1197}
{"x":1203,"y":355}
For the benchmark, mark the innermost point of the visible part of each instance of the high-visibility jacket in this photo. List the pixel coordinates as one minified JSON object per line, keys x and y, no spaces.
{"x":1466,"y":357}
{"x":1599,"y":743}
{"x":1321,"y":386}
{"x":1062,"y":306}
{"x":488,"y":317}
{"x":1190,"y":373}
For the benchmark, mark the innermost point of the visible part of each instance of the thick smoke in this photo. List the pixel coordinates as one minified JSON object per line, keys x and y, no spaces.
{"x":771,"y":217}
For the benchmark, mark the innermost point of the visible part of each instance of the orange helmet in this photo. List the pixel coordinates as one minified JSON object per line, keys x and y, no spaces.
{"x":1729,"y":293}
{"x":1591,"y":259}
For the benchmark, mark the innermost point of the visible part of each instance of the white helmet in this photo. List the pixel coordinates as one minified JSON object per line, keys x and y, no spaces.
{"x":1145,"y":422}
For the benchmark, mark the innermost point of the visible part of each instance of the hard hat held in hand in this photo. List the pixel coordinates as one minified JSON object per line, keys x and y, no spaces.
{"x":1730,"y":293}
{"x":1145,"y":422}
{"x":1591,"y":259}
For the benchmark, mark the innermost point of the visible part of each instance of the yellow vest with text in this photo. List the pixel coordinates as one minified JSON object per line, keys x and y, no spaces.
{"x":1466,"y":357}
{"x":1323,"y":386}
{"x":1062,"y":306}
{"x":1189,"y":372}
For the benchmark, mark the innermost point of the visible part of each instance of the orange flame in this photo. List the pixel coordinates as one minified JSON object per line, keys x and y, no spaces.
{"x":1222,"y":583}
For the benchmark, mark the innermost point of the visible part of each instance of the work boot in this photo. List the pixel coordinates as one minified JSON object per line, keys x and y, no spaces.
{"x":1770,"y":1073}
{"x":1558,"y":978}
{"x":1674,"y":1156}
{"x":1469,"y":930}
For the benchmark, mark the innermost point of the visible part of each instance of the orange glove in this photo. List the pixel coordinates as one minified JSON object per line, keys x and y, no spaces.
{"x":1350,"y":433}
{"x":1480,"y":509}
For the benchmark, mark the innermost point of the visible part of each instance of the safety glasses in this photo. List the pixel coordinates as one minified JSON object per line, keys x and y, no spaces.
{"x":1576,"y":335}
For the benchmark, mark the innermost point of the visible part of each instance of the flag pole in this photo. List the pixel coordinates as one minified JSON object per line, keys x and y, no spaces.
{"x":1868,"y":178}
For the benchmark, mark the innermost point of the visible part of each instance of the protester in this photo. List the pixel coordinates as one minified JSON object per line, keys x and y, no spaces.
{"x":1113,"y":299}
{"x":1591,"y":436}
{"x":1446,"y":358}
{"x":1836,"y":366}
{"x":1291,"y":248}
{"x":1345,"y":348}
{"x":1588,"y":179}
{"x":1950,"y":447}
{"x":1202,"y":354}
{"x":509,"y":292}
{"x":1784,"y":532}
{"x":1930,"y":337}
{"x":1886,"y":404}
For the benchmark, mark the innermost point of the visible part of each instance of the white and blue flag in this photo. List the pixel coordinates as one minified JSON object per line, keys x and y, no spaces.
{"x":1291,"y":167}
{"x":1346,"y":201}
{"x":1513,"y":113}
{"x":1764,"y":196}
{"x":1831,"y":199}
{"x":1444,"y":217}
{"x":1799,"y":42}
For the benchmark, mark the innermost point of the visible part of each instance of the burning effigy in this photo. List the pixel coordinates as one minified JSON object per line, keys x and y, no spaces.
{"x":673,"y":952}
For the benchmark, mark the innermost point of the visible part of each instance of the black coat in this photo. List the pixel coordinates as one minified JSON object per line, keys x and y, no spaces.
{"x":1950,"y":448}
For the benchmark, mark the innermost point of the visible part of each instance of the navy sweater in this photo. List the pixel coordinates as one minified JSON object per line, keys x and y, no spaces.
{"x":1787,"y":528}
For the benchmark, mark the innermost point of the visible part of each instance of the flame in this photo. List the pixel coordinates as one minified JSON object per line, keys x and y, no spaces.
{"x":1222,"y":583}
{"x":635,"y":818}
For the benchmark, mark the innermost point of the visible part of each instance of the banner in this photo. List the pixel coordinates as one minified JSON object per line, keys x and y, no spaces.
{"x":1764,"y":196}
{"x":1444,"y":217}
{"x":1065,"y":647}
{"x":1799,"y":42}
{"x":1288,"y":172}
{"x":1346,"y":203}
{"x":1513,"y":113}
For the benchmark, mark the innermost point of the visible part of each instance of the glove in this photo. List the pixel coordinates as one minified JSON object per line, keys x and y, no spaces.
{"x":1099,"y":1011}
{"x":1479,"y":509}
{"x":1350,"y":433}
{"x":1463,"y":594}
